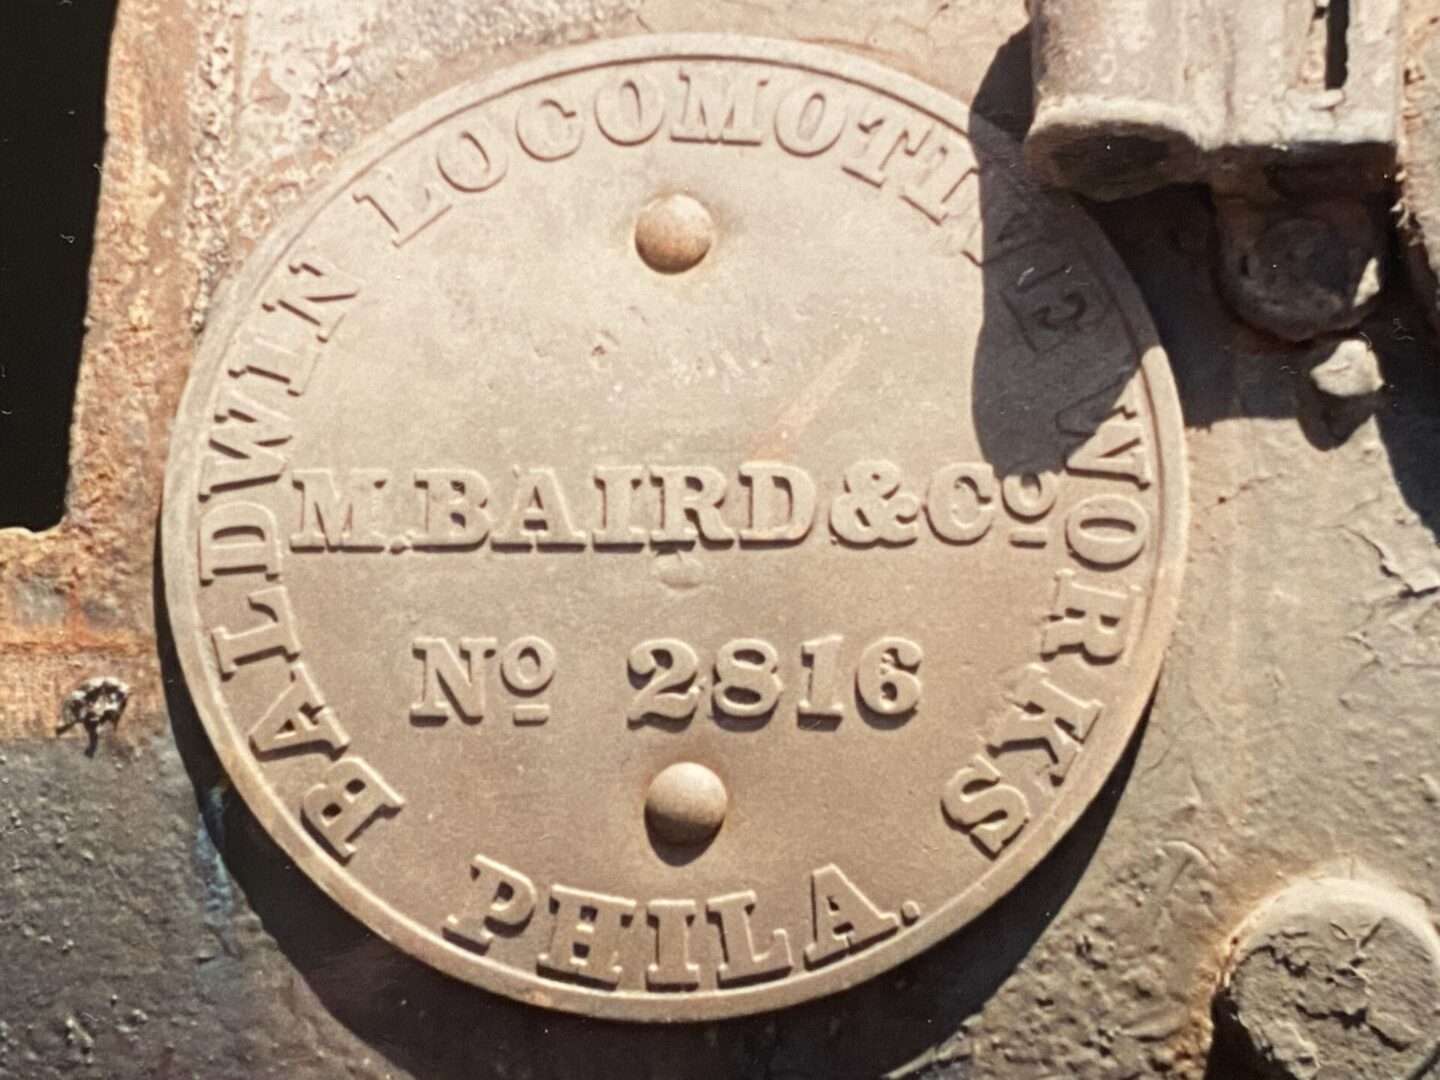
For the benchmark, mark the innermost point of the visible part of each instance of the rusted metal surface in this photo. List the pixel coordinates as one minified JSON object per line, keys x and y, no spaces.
{"x":76,"y":600}
{"x":1294,"y":721}
{"x":1420,"y":150}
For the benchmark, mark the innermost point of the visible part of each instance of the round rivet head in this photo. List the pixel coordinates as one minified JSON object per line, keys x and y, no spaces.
{"x":1334,"y":979}
{"x":686,"y":803}
{"x":673,"y":233}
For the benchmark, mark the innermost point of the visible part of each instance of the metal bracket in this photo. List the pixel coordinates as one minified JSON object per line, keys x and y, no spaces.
{"x":1288,"y":109}
{"x":1133,"y":94}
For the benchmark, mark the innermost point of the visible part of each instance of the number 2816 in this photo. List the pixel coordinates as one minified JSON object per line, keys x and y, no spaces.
{"x":746,"y":682}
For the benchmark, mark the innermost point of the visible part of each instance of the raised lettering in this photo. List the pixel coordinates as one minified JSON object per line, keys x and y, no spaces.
{"x":548,"y":128}
{"x":243,"y":436}
{"x":507,"y":903}
{"x":821,"y":707}
{"x":993,"y":813}
{"x":298,"y":719}
{"x":959,"y":502}
{"x":338,"y":516}
{"x":455,"y":515}
{"x":1044,"y":717}
{"x":949,"y":165}
{"x":667,"y":691}
{"x":237,"y":538}
{"x":315,"y":291}
{"x":888,"y":130}
{"x":672,"y":968}
{"x":743,"y":963}
{"x":1121,"y":400}
{"x":1088,"y":618}
{"x":527,"y":667}
{"x":874,"y":510}
{"x":539,"y":515}
{"x":342,"y":806}
{"x":746,"y":683}
{"x":447,"y":687}
{"x":398,"y":207}
{"x":585,"y":937}
{"x":274,"y":636}
{"x":1116,"y":449}
{"x":809,"y":120}
{"x":720,"y":109}
{"x":1030,"y":496}
{"x":261,"y":356}
{"x":1107,"y":530}
{"x":617,"y":484}
{"x":844,"y":918}
{"x":629,"y":108}
{"x":886,"y":677}
{"x":690,"y":492}
{"x":472,"y":158}
{"x":1051,"y":303}
{"x":782,"y":503}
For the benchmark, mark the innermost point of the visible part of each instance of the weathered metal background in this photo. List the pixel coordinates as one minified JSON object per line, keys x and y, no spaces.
{"x":148,"y":927}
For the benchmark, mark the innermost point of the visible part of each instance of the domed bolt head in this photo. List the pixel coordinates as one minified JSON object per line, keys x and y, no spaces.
{"x":686,"y":804}
{"x":673,"y":233}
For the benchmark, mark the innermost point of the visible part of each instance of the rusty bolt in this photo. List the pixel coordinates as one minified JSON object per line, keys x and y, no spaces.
{"x":1299,"y":270}
{"x":1335,"y":979}
{"x":94,"y":703}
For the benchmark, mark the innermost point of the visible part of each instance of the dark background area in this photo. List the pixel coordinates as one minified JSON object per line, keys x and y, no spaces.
{"x":52,"y":134}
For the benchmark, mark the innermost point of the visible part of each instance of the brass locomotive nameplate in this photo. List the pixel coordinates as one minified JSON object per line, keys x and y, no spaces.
{"x":675,"y":528}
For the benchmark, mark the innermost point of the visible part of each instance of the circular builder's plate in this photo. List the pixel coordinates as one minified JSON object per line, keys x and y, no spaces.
{"x":677,"y":527}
